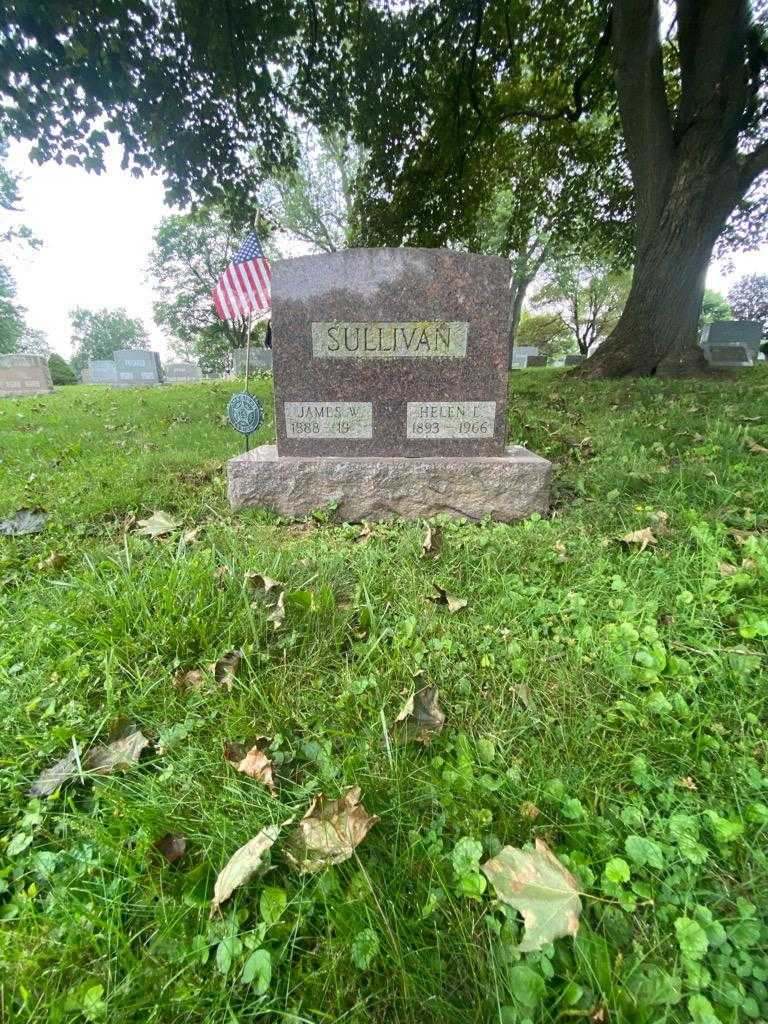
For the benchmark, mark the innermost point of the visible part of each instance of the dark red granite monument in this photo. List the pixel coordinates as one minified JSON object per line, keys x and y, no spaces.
{"x":390,"y":370}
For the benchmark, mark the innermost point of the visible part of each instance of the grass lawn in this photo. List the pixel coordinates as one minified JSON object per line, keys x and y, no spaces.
{"x":606,"y":699}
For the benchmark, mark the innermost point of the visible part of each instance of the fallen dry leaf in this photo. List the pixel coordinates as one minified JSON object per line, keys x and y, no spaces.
{"x":23,"y":521}
{"x":329,"y":831}
{"x":192,"y":679}
{"x":258,"y":581}
{"x":540,"y":887}
{"x":433,"y":541}
{"x":662,"y":523}
{"x":529,"y":810}
{"x":421,"y":717}
{"x":277,"y":615}
{"x":441,"y":596}
{"x":726,"y":569}
{"x":641,"y":537}
{"x":123,"y":753}
{"x":55,"y":776}
{"x":159,"y":524}
{"x":562,"y":551}
{"x":365,"y":533}
{"x":225,"y":670}
{"x":101,"y":760}
{"x":192,"y":536}
{"x":54,"y":561}
{"x":748,"y":563}
{"x":221,"y":573}
{"x":754,"y":447}
{"x":741,"y":536}
{"x":255,"y":763}
{"x":242,"y":865}
{"x":171,"y":846}
{"x":688,"y":783}
{"x":128,"y":523}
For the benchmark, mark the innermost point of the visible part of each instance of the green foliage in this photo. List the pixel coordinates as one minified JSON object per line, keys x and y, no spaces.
{"x":586,"y":294}
{"x":599,"y":698}
{"x":189,"y":252}
{"x":96,"y":334}
{"x":714,"y":306}
{"x":185,"y":92}
{"x":11,"y":314}
{"x":748,"y":299}
{"x":546,"y":331}
{"x":312,"y":201}
{"x":61,"y":371}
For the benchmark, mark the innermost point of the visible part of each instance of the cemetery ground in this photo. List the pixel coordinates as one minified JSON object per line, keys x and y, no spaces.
{"x":605,"y":696}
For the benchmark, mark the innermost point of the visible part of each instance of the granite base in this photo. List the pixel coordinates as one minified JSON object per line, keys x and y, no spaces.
{"x":504,"y":487}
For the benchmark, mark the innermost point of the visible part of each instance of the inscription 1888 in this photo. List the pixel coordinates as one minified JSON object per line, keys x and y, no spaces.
{"x":446,"y":339}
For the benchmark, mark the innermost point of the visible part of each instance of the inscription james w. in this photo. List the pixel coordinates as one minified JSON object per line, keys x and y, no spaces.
{"x":446,"y":339}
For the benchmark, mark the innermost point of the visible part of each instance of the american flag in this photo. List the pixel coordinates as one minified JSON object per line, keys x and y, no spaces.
{"x":244,"y":287}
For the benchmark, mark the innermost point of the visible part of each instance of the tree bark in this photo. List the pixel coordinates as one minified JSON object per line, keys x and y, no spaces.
{"x":687,"y":175}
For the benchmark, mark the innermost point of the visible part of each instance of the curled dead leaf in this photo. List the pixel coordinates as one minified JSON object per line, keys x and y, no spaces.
{"x":537,"y":885}
{"x":641,"y":537}
{"x":258,"y":581}
{"x":255,"y":763}
{"x":159,"y":524}
{"x":726,"y":569}
{"x":365,"y":533}
{"x":329,"y":832}
{"x":433,"y":541}
{"x":529,"y":810}
{"x":277,"y":615}
{"x":421,"y":717}
{"x":242,"y":865}
{"x":192,"y":536}
{"x":100,"y":760}
{"x":171,"y":846}
{"x":54,"y":561}
{"x":688,"y":783}
{"x":662,"y":523}
{"x":741,"y":536}
{"x":754,"y":447}
{"x":226,"y":669}
{"x":192,"y":679}
{"x":442,"y":596}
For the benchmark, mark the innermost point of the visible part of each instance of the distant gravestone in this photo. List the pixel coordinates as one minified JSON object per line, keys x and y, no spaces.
{"x":732,"y":343}
{"x":137,"y":367}
{"x":261,"y":359}
{"x":574,"y":360}
{"x":85,"y":375}
{"x":182,"y":373}
{"x":390,"y":390}
{"x":519,"y":358}
{"x":101,"y":371}
{"x":536,"y":361}
{"x":22,"y":374}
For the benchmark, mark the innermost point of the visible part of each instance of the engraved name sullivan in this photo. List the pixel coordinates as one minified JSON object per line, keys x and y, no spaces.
{"x":423,"y":339}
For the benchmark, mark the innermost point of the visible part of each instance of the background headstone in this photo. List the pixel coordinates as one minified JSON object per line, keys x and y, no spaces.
{"x":536,"y":361}
{"x":101,"y":371}
{"x":519,"y":357}
{"x":85,"y":375}
{"x":182,"y":372}
{"x":391,"y":352}
{"x":261,"y":359}
{"x":22,"y":374}
{"x":574,"y":359}
{"x":137,"y":367}
{"x":732,"y":342}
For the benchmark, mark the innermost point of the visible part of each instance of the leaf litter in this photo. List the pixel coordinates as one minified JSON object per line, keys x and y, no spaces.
{"x":442,"y":596}
{"x":100,"y":760}
{"x":24,"y":521}
{"x":421,"y":717}
{"x":329,"y":832}
{"x":536,"y":884}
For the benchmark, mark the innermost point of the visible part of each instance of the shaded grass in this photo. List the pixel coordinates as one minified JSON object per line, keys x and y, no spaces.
{"x":583,"y":678}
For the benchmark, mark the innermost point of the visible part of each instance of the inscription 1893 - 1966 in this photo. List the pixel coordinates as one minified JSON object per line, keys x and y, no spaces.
{"x":424,"y":339}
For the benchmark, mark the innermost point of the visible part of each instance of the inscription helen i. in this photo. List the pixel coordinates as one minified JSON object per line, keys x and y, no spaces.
{"x":455,"y":421}
{"x":411,"y":339}
{"x":329,"y":419}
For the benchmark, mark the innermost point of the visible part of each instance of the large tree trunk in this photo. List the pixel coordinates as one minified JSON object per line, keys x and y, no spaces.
{"x":658,"y":330}
{"x":687,"y":172}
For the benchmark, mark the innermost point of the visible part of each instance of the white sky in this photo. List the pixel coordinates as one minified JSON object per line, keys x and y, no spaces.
{"x":97,"y":234}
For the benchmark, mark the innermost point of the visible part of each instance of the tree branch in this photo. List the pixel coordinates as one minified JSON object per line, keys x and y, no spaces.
{"x":752,"y":166}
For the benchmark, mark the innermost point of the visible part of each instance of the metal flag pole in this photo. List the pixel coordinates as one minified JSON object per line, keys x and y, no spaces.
{"x":247,"y":367}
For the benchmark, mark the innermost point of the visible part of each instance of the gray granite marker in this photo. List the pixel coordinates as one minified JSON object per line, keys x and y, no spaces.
{"x":137,"y":368}
{"x":22,"y":374}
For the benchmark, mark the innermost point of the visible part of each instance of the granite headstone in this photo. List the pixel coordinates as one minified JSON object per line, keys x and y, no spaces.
{"x":182,"y":373}
{"x":731,"y":343}
{"x":102,"y":371}
{"x":390,"y":352}
{"x":22,"y":374}
{"x":390,"y":391}
{"x":261,"y":359}
{"x":137,"y":367}
{"x":575,"y":359}
{"x":536,"y":361}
